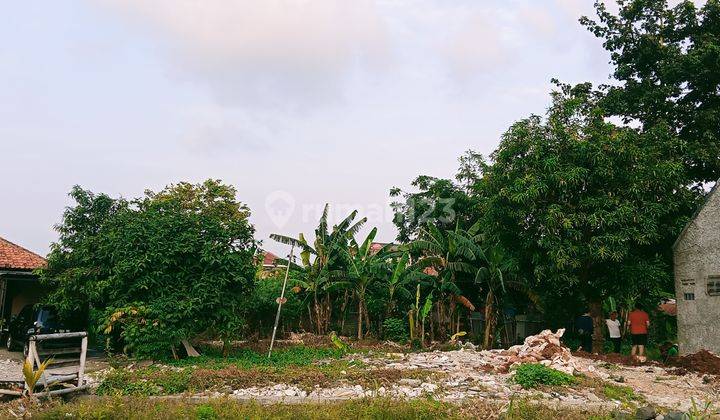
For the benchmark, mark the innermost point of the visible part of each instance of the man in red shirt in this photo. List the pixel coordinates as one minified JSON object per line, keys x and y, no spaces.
{"x":639,"y":322}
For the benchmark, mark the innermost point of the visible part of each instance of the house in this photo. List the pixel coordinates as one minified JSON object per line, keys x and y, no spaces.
{"x":18,"y":285}
{"x":697,"y":279}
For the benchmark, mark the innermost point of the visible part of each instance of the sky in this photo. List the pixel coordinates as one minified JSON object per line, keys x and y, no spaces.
{"x":296,"y":103}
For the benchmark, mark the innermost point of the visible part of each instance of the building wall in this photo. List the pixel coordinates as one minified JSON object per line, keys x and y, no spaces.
{"x":697,"y":258}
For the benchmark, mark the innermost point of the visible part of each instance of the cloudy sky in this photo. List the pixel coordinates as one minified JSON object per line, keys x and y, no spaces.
{"x":295,"y":102}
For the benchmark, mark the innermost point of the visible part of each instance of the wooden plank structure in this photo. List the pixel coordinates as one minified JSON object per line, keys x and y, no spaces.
{"x":72,"y":374}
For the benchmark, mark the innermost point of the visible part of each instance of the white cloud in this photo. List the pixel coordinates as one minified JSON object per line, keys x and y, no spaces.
{"x":273,"y":52}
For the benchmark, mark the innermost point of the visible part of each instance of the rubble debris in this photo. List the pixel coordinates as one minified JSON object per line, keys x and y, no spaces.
{"x":544,"y":348}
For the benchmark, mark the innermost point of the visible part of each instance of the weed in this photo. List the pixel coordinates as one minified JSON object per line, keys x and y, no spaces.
{"x":244,"y":358}
{"x":526,"y":410}
{"x":698,"y":411}
{"x":205,"y":412}
{"x":624,"y":394}
{"x":145,"y":382}
{"x":532,"y":375}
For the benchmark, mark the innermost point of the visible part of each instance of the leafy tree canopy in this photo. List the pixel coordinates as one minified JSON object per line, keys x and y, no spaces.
{"x":590,"y":208}
{"x":668,"y":62}
{"x":157,"y":269}
{"x":444,"y":203}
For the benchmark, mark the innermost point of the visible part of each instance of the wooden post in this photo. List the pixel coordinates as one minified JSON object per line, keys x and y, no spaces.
{"x":30,"y":359}
{"x":83,"y":352}
{"x":280,"y":300}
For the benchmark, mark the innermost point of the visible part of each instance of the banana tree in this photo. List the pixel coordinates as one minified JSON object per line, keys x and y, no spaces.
{"x":445,"y":256}
{"x":492,"y":277}
{"x":365,"y":266}
{"x":399,"y":284}
{"x":322,"y":263}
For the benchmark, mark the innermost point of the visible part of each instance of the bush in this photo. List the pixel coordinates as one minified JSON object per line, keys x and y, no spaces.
{"x":205,"y":412}
{"x":395,"y":329}
{"x":262,"y":307}
{"x":531,"y":375}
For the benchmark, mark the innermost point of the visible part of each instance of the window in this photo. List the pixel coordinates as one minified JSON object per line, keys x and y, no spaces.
{"x":689,"y":296}
{"x":713,"y":286}
{"x":687,"y":282}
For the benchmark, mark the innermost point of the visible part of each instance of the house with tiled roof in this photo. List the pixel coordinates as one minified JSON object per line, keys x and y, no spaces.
{"x":19,"y":286}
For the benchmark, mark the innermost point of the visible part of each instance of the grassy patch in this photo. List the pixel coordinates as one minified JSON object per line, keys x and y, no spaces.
{"x":377,"y":408}
{"x":526,"y":410}
{"x":245,"y":358}
{"x":138,"y":408}
{"x":299,"y":366}
{"x":532,"y":375}
{"x":624,"y":394}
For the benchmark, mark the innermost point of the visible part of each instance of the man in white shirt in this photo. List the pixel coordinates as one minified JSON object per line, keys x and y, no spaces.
{"x":613,"y":325}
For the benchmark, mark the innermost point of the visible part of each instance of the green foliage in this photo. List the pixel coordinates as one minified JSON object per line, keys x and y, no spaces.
{"x":443,"y":203}
{"x":262,"y":306}
{"x":206,"y":412}
{"x":158,"y":269}
{"x":532,"y":375}
{"x":144,"y":382}
{"x":395,"y":329}
{"x":338,"y":343}
{"x":666,"y":62}
{"x":180,"y":377}
{"x":589,"y":208}
{"x":244,"y":358}
{"x":323,"y":265}
{"x":624,"y":394}
{"x":143,"y":408}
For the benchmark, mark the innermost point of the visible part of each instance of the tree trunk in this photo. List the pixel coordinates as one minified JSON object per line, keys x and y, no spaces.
{"x":189,"y":349}
{"x":366,"y":314}
{"x":598,"y":337}
{"x":344,"y":312}
{"x":489,"y":320}
{"x":318,"y":315}
{"x":359,"y":319}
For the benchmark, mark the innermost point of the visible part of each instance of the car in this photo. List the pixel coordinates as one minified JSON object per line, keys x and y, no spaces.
{"x":34,"y":319}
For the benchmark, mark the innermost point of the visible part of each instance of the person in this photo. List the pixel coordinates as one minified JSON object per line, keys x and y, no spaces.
{"x":584,"y":326}
{"x":639,"y":322}
{"x":668,"y":350}
{"x":613,"y":325}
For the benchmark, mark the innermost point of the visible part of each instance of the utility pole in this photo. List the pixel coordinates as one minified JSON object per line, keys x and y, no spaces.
{"x":281,"y":300}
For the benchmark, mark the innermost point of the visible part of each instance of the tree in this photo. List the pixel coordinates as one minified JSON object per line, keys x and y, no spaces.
{"x":442,"y":202}
{"x":159,"y":269}
{"x":446,"y":256}
{"x":498,"y":266}
{"x":668,"y":62}
{"x":319,"y":275}
{"x":589,"y":209}
{"x":366,"y":266}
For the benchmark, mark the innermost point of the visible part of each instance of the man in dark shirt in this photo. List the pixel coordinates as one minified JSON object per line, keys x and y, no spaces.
{"x":584,"y":327}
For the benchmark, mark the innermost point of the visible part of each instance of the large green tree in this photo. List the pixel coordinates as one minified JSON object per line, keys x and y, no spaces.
{"x":667,"y":60}
{"x":158,"y":269}
{"x":589,"y":208}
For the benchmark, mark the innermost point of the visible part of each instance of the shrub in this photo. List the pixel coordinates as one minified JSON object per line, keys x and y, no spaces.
{"x":205,"y":412}
{"x":531,"y":375}
{"x":395,"y":329}
{"x":161,"y":268}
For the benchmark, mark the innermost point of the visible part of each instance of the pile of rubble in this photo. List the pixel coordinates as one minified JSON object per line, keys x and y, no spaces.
{"x":544,"y":348}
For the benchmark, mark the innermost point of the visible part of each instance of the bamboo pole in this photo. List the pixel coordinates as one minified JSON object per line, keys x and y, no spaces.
{"x":280,"y":301}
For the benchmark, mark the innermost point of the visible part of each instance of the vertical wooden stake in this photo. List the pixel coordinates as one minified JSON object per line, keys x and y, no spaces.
{"x":83,"y":352}
{"x":280,"y":301}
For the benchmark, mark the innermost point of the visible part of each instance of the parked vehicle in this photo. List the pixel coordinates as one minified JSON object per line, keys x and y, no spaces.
{"x":33,"y":320}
